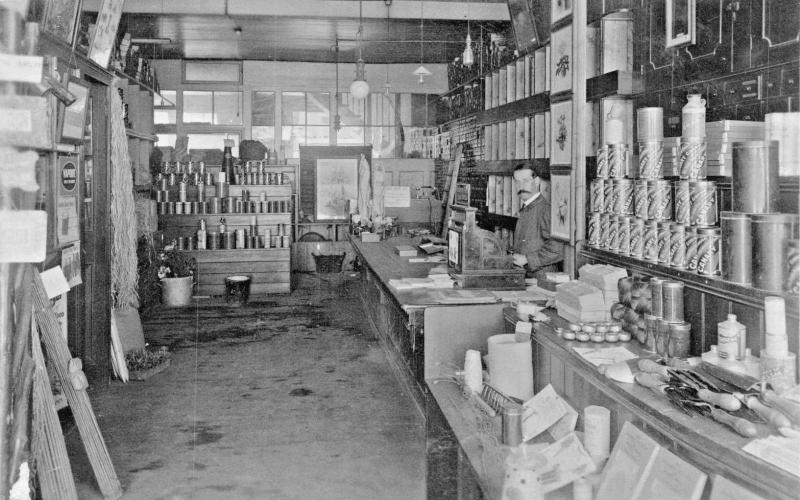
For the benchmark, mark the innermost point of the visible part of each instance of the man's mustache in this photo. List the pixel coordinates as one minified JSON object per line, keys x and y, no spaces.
{"x":524,"y":191}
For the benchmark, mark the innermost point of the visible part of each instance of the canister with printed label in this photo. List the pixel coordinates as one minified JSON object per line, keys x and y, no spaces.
{"x":612,"y":240}
{"x":672,"y":301}
{"x":664,"y":235}
{"x":659,"y":200}
{"x":623,"y":196}
{"x":651,"y":160}
{"x":691,"y":248}
{"x":682,"y":202}
{"x":602,"y":162}
{"x":593,"y":230}
{"x":677,"y":246}
{"x":624,"y":234}
{"x":605,"y":226}
{"x":650,"y":241}
{"x":640,"y":198}
{"x":637,"y":238}
{"x":708,"y":251}
{"x":703,"y":203}
{"x":608,"y":196}
{"x":596,"y":189}
{"x":618,"y":161}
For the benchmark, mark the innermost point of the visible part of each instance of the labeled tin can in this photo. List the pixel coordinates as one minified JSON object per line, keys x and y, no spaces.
{"x":229,"y":241}
{"x":593,"y":230}
{"x":201,"y":191}
{"x":223,"y":189}
{"x":691,"y":248}
{"x":650,"y":241}
{"x":651,"y":332}
{"x":253,"y":241}
{"x":703,"y":203}
{"x":708,"y":252}
{"x":623,"y":196}
{"x":608,"y":196}
{"x":214,"y":205}
{"x":659,"y":200}
{"x":190,"y":243}
{"x":182,"y":191}
{"x":664,"y":235}
{"x":240,"y":238}
{"x":792,"y":281}
{"x":651,"y":160}
{"x":596,"y":189}
{"x":177,"y":207}
{"x":637,"y":238}
{"x":771,"y":232}
{"x":680,"y":340}
{"x":755,"y":177}
{"x":602,"y":163}
{"x":624,"y":234}
{"x":682,"y":203}
{"x":737,"y":248}
{"x":618,"y":159}
{"x":605,"y":227}
{"x":672,"y":301}
{"x":640,"y":199}
{"x":692,"y":159}
{"x":612,"y":239}
{"x":656,"y":286}
{"x":662,"y":337}
{"x":677,"y":246}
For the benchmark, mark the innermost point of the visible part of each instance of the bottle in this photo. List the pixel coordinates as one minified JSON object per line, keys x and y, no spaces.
{"x":201,"y":235}
{"x":222,"y":226}
{"x":227,"y":160}
{"x":693,"y":118}
{"x":728,"y":337}
{"x":711,"y":355}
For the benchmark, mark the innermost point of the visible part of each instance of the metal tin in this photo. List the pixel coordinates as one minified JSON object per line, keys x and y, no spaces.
{"x":182,"y":191}
{"x":238,"y":205}
{"x":512,"y":424}
{"x":612,"y":239}
{"x":650,"y":241}
{"x":672,"y":301}
{"x":212,"y":242}
{"x":602,"y":162}
{"x":651,"y":332}
{"x":637,"y":238}
{"x":228,"y":240}
{"x":640,"y":199}
{"x":623,"y":196}
{"x":618,"y":161}
{"x":240,"y":238}
{"x":682,"y":202}
{"x":162,"y":196}
{"x":680,"y":340}
{"x":792,"y":282}
{"x":664,"y":235}
{"x":214,"y":205}
{"x":230,"y":205}
{"x":692,"y":159}
{"x":608,"y":196}
{"x":223,"y":190}
{"x":651,"y":160}
{"x":770,"y":235}
{"x":593,"y":230}
{"x":659,"y":200}
{"x":177,"y":207}
{"x":650,"y":124}
{"x":691,"y":248}
{"x":169,"y":207}
{"x":161,"y":207}
{"x":755,"y":183}
{"x":596,"y":195}
{"x":737,"y":247}
{"x":657,"y":296}
{"x":708,"y":252}
{"x":605,"y":227}
{"x":624,"y":234}
{"x":703,"y":203}
{"x":201,"y":191}
{"x":202,"y":207}
{"x":662,"y":337}
{"x":677,"y":246}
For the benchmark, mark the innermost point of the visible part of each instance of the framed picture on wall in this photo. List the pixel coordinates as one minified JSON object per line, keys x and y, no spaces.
{"x":336,"y":182}
{"x":72,"y":118}
{"x":561,"y":61}
{"x":680,"y":22}
{"x":560,"y":203}
{"x":561,"y":133}
{"x":61,"y":19}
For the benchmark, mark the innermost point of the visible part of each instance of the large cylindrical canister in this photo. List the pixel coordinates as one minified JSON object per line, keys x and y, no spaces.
{"x":222,"y":190}
{"x":605,"y":226}
{"x":612,"y":239}
{"x":618,"y":161}
{"x":770,"y":233}
{"x":651,"y":160}
{"x":637,"y":238}
{"x":602,"y":162}
{"x":692,"y":159}
{"x":650,"y":124}
{"x":737,"y":257}
{"x":664,"y":235}
{"x":792,"y":281}
{"x":657,"y":296}
{"x":593,"y":230}
{"x":608,"y":196}
{"x":640,"y":198}
{"x":212,"y":242}
{"x":229,"y":240}
{"x":596,"y":195}
{"x":755,"y":178}
{"x":624,"y":234}
{"x":623,"y":196}
{"x":677,"y":246}
{"x":682,"y":202}
{"x":703,"y":204}
{"x":708,"y":251}
{"x":650,"y":241}
{"x":680,"y":340}
{"x":672,"y":301}
{"x":659,"y":200}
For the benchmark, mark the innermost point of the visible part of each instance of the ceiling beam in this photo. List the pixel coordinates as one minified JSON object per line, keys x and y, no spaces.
{"x":487,"y":10}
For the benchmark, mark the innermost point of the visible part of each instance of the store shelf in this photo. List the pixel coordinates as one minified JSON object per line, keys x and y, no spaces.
{"x":142,"y":85}
{"x":538,"y":103}
{"x":713,"y":285}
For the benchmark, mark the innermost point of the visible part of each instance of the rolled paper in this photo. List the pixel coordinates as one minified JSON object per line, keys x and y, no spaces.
{"x":473,"y":372}
{"x":597,"y":432}
{"x":511,"y":366}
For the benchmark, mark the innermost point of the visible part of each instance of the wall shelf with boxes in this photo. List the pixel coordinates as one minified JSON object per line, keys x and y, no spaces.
{"x":244,"y":228}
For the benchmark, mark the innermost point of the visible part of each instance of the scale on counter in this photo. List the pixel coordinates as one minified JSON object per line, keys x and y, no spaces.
{"x":476,"y":258}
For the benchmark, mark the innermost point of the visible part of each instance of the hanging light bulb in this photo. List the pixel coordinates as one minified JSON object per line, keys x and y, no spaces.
{"x":422,"y":71}
{"x":468,"y":57}
{"x":359,"y":88}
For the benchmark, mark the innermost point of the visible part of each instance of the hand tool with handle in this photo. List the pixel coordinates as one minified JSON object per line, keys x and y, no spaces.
{"x":785,"y":406}
{"x":650,"y":366}
{"x":743,"y":427}
{"x":771,"y":415}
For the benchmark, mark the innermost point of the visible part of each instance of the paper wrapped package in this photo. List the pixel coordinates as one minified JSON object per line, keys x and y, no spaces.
{"x":511,"y":366}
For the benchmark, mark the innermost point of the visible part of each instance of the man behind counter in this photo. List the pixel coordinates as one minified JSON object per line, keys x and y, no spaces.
{"x":533,"y":248}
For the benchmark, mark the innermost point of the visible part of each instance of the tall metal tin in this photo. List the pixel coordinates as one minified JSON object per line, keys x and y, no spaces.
{"x":672,"y":301}
{"x":659,"y":200}
{"x":608,"y":196}
{"x":612,"y":238}
{"x":624,"y":234}
{"x":771,"y":232}
{"x":596,"y":190}
{"x":650,"y":241}
{"x":602,"y":162}
{"x":755,"y":182}
{"x":691,"y":248}
{"x":637,"y":238}
{"x":618,"y":161}
{"x":682,"y":202}
{"x":651,"y":160}
{"x":593,"y":230}
{"x":703,"y":205}
{"x":677,"y":246}
{"x":623,"y":196}
{"x":737,"y":248}
{"x":664,"y":235}
{"x":692,"y":159}
{"x":657,"y":296}
{"x":640,"y":198}
{"x":708,"y":252}
{"x":605,"y":225}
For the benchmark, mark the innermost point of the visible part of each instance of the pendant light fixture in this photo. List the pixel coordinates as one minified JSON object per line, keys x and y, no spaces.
{"x":360,"y":88}
{"x":387,"y":87}
{"x":422,"y":71}
{"x":468,"y":57}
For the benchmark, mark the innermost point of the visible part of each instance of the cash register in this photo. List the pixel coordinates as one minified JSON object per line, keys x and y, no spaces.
{"x":476,"y":258}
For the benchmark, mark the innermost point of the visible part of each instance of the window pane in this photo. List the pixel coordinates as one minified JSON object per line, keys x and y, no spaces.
{"x":169,"y":95}
{"x":265,"y":135}
{"x":164,"y":116}
{"x":350,"y":136}
{"x":197,"y":107}
{"x":381,"y":110}
{"x":291,"y":139}
{"x":213,"y":71}
{"x":263,"y":108}
{"x":384,"y":142}
{"x":227,"y":108}
{"x":166,"y":140}
{"x":293,"y":108}
{"x":352,"y":111}
{"x":318,"y":136}
{"x":318,"y":111}
{"x":213,"y":142}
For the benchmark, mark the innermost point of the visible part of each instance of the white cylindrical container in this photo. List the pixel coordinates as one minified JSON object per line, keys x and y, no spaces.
{"x":728,"y":334}
{"x":693,"y":118}
{"x":597,"y":432}
{"x":473,"y":371}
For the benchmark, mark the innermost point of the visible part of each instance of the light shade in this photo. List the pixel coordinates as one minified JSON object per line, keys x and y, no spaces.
{"x":360,"y":88}
{"x":468,"y":58}
{"x":422,"y":72}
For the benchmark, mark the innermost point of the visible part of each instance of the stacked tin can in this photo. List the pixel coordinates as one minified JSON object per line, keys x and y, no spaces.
{"x":611,"y":202}
{"x":255,"y":173}
{"x":238,"y":238}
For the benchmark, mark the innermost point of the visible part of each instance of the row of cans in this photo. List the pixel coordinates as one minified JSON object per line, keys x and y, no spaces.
{"x":183,"y":167}
{"x":222,"y":191}
{"x":260,"y":178}
{"x":669,"y":243}
{"x":230,"y":205}
{"x":614,"y":161}
{"x":164,"y":181}
{"x":239,"y":239}
{"x":692,"y":203}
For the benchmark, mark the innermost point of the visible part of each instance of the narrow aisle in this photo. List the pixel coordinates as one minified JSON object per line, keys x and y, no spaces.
{"x":287,"y":399}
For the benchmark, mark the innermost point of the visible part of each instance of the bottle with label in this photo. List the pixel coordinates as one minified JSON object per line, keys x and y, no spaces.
{"x":729,"y":333}
{"x":693,"y":118}
{"x":222,"y":226}
{"x":227,"y":160}
{"x":201,"y":235}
